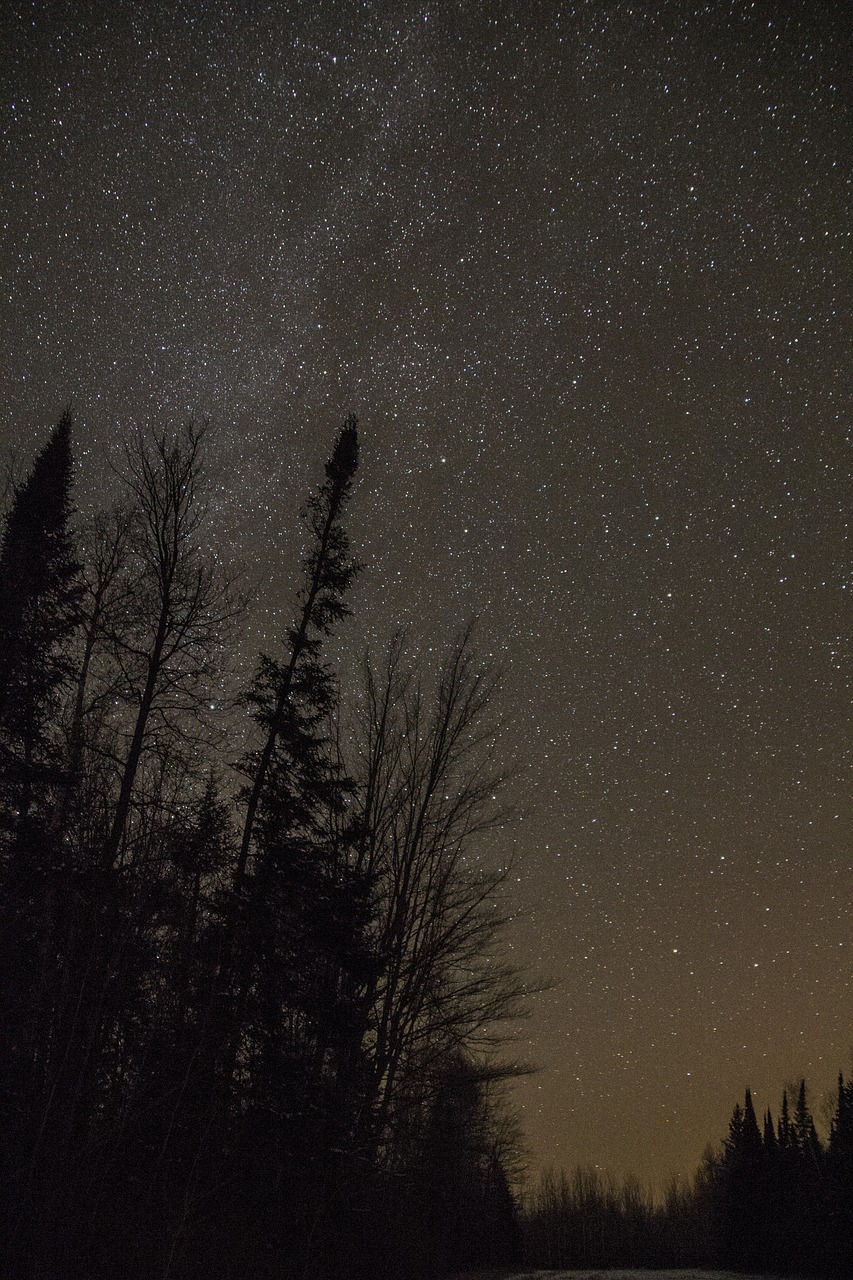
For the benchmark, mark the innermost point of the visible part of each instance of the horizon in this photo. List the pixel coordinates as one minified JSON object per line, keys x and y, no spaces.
{"x":581,"y":278}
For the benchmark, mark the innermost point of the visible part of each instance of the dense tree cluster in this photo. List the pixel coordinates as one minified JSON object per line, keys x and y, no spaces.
{"x":782,"y":1199}
{"x":773,"y":1199}
{"x":249,"y":1008}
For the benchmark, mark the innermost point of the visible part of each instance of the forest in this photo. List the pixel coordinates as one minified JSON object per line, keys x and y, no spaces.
{"x":251,"y":987}
{"x":254,"y":1002}
{"x":770,"y":1199}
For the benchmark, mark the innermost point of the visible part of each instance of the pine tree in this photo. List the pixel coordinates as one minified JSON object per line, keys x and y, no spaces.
{"x":769,"y":1135}
{"x":741,"y":1209}
{"x":839,"y":1191}
{"x":784,"y":1129}
{"x":297,"y":955}
{"x":751,"y":1138}
{"x":40,"y":598}
{"x":804,"y":1133}
{"x":805,"y":1184}
{"x":734,"y":1142}
{"x":291,"y":698}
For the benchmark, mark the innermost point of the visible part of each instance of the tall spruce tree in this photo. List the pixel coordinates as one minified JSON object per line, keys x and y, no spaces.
{"x":40,"y":599}
{"x":769,"y":1135}
{"x":291,"y":697}
{"x":740,"y":1203}
{"x":192,"y":1023}
{"x":804,"y":1132}
{"x":40,"y":596}
{"x":804,"y":1185}
{"x":839,"y":1189}
{"x":298,"y":951}
{"x":784,"y":1126}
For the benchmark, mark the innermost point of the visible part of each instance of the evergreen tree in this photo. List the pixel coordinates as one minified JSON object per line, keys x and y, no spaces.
{"x":803,"y":1131}
{"x":296,"y":956}
{"x":40,"y":598}
{"x":839,"y":1188}
{"x":751,"y":1138}
{"x":291,"y":698}
{"x":232,"y":1051}
{"x":734,"y":1142}
{"x":769,"y":1136}
{"x":784,"y":1129}
{"x":740,"y":1204}
{"x":40,"y":595}
{"x":804,"y":1186}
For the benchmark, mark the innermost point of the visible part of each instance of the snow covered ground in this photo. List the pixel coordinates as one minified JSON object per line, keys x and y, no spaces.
{"x":619,"y":1274}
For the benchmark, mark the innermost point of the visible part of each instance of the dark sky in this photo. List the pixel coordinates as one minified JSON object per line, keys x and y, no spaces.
{"x":580,"y":269}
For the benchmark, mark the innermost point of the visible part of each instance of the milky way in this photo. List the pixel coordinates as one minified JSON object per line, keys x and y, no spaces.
{"x":579,"y":269}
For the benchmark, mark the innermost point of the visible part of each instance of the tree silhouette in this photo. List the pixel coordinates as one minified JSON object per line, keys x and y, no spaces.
{"x":291,"y":697}
{"x":167,"y":648}
{"x":234,"y":1047}
{"x":40,"y":595}
{"x":40,"y":598}
{"x":839,"y":1183}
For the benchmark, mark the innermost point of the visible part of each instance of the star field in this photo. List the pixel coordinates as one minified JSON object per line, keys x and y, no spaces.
{"x":583,"y":272}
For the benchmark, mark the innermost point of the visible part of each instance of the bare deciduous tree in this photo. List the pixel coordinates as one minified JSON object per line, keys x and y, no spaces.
{"x":430,"y":789}
{"x":167,"y":646}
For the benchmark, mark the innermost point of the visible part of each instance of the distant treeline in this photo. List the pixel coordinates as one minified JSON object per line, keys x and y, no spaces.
{"x":771,"y":1199}
{"x":250,"y":988}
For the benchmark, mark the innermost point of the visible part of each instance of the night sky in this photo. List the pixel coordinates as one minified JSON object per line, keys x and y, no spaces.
{"x":582,"y":271}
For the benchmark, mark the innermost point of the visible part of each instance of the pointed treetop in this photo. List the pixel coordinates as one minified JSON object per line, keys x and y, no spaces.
{"x":751,"y":1133}
{"x":342,"y":465}
{"x":40,"y":593}
{"x":769,"y":1132}
{"x":784,"y":1121}
{"x":736,"y":1124}
{"x":43,"y":497}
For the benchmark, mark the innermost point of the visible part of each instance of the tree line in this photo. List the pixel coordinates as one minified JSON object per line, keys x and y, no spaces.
{"x":772,"y":1198}
{"x":251,"y":997}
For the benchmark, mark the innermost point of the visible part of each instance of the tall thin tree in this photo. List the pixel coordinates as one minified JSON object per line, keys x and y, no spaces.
{"x":40,"y":596}
{"x":290,"y":696}
{"x":168,"y":656}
